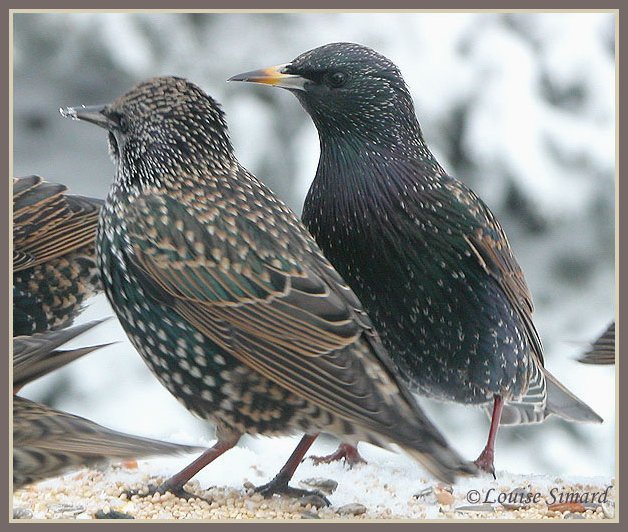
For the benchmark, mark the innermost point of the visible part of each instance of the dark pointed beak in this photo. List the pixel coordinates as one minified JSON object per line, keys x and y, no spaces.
{"x":93,"y":113}
{"x":274,"y":75}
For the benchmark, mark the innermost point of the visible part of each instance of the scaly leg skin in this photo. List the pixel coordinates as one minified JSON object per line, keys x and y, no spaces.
{"x":279,"y":484}
{"x":345,"y":452}
{"x":485,"y":461}
{"x":176,"y":482}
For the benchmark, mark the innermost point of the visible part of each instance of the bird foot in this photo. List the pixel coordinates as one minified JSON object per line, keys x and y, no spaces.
{"x":280,"y":487}
{"x":164,"y":488}
{"x":485,"y":463}
{"x":345,"y":452}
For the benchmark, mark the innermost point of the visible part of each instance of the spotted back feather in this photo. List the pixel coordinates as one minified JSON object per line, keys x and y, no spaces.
{"x":54,"y":266}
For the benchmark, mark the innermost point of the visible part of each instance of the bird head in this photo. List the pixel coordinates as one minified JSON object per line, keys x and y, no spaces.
{"x":165,"y":124}
{"x":346,"y":88}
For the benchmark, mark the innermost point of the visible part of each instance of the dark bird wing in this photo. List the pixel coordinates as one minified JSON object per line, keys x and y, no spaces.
{"x":602,"y":351}
{"x":476,"y":230}
{"x":487,"y":241}
{"x":474,"y":239}
{"x":47,"y":223}
{"x":490,"y":246}
{"x":273,"y":312}
{"x":37,"y":355}
{"x":258,"y":295}
{"x":21,"y":260}
{"x":47,"y":442}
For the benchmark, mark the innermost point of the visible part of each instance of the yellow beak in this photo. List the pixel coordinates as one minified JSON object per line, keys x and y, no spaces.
{"x":272,"y":76}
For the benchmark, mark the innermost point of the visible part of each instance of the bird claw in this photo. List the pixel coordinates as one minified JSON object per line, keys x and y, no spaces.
{"x":177,"y":491}
{"x":485,"y":463}
{"x":315,"y":499}
{"x":304,"y":497}
{"x":345,"y":452}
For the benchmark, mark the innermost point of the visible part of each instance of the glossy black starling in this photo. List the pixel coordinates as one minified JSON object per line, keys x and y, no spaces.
{"x":229,"y":300}
{"x":48,"y":442}
{"x":424,"y":254}
{"x":54,"y":264}
{"x":602,"y":351}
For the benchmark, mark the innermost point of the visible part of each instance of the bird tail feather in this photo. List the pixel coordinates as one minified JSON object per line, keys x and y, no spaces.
{"x":37,"y":355}
{"x":48,"y":442}
{"x":442,"y":462}
{"x":424,"y":444}
{"x":563,"y":403}
{"x":546,"y":396}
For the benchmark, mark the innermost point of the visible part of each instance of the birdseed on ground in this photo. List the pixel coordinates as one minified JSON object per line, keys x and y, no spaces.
{"x":100,"y":494}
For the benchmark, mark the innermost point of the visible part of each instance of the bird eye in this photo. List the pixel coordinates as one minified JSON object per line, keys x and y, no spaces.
{"x":336,"y":79}
{"x":123,"y":124}
{"x":121,"y":121}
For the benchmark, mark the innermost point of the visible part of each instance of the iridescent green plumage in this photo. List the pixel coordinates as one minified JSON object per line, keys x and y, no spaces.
{"x":227,"y":297}
{"x":424,"y":254}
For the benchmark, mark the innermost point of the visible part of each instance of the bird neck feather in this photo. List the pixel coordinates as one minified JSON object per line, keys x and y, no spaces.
{"x":359,"y":191}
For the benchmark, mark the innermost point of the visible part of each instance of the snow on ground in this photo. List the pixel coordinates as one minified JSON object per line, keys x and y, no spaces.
{"x":390,"y":486}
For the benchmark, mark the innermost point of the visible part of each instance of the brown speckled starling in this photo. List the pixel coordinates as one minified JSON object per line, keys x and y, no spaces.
{"x":227,"y":297}
{"x":424,"y":254}
{"x":602,"y":351}
{"x":54,"y":262}
{"x":48,"y":442}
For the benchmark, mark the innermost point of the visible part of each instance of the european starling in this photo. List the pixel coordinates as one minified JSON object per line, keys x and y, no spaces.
{"x":602,"y":351}
{"x":227,"y":297}
{"x":54,"y":264}
{"x":48,"y":442}
{"x":424,"y":254}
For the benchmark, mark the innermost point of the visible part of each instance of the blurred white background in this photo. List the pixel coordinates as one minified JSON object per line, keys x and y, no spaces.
{"x":519,"y":106}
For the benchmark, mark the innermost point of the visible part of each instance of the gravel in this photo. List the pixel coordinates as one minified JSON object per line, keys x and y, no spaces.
{"x":369,"y":493}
